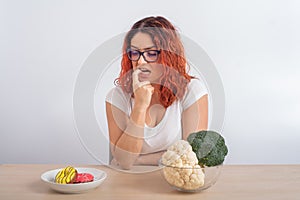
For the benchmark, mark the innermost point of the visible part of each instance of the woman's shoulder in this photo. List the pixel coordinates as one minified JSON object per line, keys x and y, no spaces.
{"x":196,"y":88}
{"x":116,"y":93}
{"x":196,"y":83}
{"x":117,"y":97}
{"x":117,"y":89}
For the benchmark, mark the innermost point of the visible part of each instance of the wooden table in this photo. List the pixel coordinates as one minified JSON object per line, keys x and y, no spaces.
{"x":235,"y":182}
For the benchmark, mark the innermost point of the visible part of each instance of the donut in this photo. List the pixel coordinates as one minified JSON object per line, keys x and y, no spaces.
{"x":84,"y":178}
{"x":66,"y":176}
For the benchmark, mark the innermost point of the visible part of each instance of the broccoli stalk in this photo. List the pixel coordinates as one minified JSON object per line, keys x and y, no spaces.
{"x":209,"y":147}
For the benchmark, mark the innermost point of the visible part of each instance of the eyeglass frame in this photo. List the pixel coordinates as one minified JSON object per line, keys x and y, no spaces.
{"x":141,"y":53}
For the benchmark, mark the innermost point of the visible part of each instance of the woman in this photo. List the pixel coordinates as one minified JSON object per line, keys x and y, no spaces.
{"x":155,"y":102}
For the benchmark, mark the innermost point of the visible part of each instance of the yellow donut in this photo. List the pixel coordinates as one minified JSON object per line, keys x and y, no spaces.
{"x":66,"y":175}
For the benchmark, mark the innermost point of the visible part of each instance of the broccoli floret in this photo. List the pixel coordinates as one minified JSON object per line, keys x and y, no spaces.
{"x":209,"y":147}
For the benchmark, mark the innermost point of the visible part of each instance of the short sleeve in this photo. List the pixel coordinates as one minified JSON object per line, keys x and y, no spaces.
{"x":118,"y":98}
{"x":195,"y":90}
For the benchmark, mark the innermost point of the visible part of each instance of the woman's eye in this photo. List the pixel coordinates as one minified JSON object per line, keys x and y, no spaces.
{"x":134,"y":53}
{"x":151,"y":53}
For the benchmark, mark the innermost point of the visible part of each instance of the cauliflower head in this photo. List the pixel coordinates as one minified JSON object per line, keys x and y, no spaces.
{"x":181,"y":166}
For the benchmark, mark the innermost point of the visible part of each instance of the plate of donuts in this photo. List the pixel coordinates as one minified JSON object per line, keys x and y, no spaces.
{"x":73,"y":180}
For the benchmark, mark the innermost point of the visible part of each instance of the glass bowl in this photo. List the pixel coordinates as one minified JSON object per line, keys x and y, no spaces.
{"x":190,"y":179}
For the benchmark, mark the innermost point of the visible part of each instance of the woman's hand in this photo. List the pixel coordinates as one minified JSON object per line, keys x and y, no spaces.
{"x":142,"y":91}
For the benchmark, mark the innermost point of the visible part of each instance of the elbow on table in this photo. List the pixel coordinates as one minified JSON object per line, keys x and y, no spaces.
{"x":125,"y":164}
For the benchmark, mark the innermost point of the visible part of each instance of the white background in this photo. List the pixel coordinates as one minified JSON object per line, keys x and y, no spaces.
{"x":254,"y":44}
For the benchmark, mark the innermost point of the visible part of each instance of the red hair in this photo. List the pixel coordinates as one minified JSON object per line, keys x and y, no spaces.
{"x":175,"y":78}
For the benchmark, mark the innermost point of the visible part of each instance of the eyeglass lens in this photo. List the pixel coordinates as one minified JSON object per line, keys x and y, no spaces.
{"x":149,"y":56}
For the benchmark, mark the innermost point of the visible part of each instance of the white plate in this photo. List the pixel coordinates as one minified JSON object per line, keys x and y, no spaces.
{"x":49,"y":178}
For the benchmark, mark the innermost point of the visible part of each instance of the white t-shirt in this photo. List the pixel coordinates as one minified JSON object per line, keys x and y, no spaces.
{"x":169,"y":129}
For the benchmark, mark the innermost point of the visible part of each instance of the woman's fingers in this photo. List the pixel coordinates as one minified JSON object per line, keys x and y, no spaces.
{"x":142,"y":90}
{"x":135,"y":76}
{"x":149,"y":87}
{"x":135,"y":80}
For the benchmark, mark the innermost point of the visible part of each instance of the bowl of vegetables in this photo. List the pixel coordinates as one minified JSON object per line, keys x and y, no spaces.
{"x":194,"y":165}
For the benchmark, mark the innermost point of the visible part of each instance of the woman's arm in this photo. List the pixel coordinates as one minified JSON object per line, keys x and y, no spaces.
{"x":126,"y":134}
{"x":195,"y":117}
{"x":149,"y":159}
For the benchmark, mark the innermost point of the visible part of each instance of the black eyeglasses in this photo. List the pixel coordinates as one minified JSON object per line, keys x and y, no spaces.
{"x":149,"y":55}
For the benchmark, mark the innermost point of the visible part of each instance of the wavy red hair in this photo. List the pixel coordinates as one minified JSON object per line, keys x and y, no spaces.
{"x":172,"y":57}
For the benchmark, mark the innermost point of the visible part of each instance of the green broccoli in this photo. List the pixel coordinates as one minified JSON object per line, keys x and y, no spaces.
{"x":209,"y":147}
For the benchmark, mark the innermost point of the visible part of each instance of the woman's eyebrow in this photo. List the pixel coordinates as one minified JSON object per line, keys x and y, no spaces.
{"x":143,"y":48}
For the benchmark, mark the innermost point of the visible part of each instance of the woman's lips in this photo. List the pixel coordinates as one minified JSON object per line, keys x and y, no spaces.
{"x":145,"y":72}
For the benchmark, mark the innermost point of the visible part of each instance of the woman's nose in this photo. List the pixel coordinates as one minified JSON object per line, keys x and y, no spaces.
{"x":141,"y":60}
